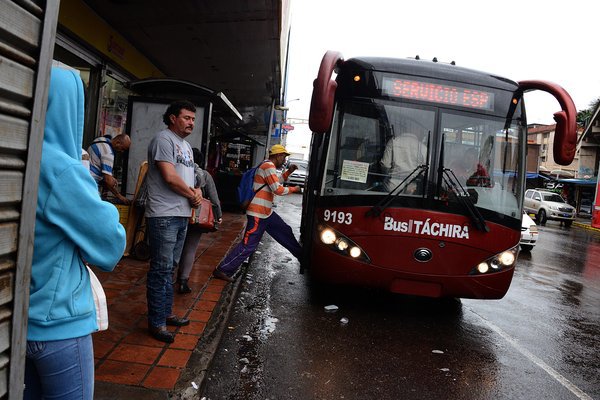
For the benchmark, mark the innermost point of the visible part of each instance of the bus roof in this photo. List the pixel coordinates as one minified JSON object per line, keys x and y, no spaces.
{"x":429,"y":69}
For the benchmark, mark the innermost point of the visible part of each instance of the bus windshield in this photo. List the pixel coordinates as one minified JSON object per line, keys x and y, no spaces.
{"x":380,"y":146}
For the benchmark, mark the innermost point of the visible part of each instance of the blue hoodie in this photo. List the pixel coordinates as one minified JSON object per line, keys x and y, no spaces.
{"x":72,"y":223}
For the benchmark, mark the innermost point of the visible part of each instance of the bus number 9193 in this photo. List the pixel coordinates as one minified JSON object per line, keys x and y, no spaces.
{"x":337,"y":216}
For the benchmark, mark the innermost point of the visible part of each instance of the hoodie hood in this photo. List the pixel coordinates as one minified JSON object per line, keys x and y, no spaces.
{"x":64,"y":117}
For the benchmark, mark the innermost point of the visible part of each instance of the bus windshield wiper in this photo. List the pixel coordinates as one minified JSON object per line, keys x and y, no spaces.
{"x":377,"y":209}
{"x":464,"y":198}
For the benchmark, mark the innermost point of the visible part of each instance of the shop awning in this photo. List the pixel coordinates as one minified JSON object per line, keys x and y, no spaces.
{"x":580,"y":182}
{"x":533,"y":175}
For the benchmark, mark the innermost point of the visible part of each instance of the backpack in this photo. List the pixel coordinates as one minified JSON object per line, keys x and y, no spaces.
{"x":245,"y":191}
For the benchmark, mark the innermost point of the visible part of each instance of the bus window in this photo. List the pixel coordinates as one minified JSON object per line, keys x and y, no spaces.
{"x":374,"y":146}
{"x":406,"y":148}
{"x":484,"y":157}
{"x":355,"y":141}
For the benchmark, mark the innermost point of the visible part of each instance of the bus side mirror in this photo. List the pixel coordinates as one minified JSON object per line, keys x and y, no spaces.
{"x":323,"y":96}
{"x":565,"y":137}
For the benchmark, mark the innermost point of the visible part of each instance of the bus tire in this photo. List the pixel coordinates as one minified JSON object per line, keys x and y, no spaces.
{"x":526,"y":247}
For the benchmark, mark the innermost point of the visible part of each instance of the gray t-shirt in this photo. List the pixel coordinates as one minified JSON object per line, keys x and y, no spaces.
{"x":162,"y":200}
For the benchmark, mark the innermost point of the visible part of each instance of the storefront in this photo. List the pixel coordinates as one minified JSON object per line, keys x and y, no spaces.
{"x":106,"y":63}
{"x":229,"y":156}
{"x":106,"y":95}
{"x":117,"y":77}
{"x":579,"y":193}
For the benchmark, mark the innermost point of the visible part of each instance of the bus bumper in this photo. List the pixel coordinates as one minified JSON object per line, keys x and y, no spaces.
{"x":331,"y":268}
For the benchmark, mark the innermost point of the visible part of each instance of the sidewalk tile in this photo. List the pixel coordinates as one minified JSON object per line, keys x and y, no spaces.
{"x":205,"y":305}
{"x":194,"y":328}
{"x":213,"y":288}
{"x":185,"y":342}
{"x":102,"y":347}
{"x":140,"y":336}
{"x":175,"y":358}
{"x":114,"y":333}
{"x":162,"y":378}
{"x":126,"y":373}
{"x":135,"y":353}
{"x":210,"y":296}
{"x":200,"y":315}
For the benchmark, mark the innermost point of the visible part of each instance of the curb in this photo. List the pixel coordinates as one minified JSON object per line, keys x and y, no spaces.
{"x":192,"y":380}
{"x":586,"y":226}
{"x":202,"y":356}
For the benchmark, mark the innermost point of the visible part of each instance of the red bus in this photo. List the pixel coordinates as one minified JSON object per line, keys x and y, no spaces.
{"x":417,"y":174}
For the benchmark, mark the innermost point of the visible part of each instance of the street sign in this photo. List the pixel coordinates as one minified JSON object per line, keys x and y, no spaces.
{"x":288,"y":127}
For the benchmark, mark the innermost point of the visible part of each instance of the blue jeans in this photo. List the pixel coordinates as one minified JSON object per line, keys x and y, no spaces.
{"x":60,"y":369}
{"x":165,"y":237}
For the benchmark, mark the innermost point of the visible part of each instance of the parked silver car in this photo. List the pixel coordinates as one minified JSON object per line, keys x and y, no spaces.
{"x":548,"y":206}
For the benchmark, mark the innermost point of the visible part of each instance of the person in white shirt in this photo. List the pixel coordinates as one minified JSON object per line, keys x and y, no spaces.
{"x":403,"y":153}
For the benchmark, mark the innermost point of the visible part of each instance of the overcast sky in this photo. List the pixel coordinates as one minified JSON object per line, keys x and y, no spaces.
{"x":526,"y":39}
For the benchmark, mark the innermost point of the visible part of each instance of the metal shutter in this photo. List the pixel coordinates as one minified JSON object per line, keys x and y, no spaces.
{"x":27,"y":32}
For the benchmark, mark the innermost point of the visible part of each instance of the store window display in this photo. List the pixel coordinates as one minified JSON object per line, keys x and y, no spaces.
{"x":113,"y":115}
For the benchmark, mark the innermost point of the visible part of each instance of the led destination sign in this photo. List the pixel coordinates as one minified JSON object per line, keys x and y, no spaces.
{"x":437,"y":93}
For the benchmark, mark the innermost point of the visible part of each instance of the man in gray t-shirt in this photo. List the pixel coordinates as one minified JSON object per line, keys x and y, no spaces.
{"x":171,"y":196}
{"x":162,"y":200}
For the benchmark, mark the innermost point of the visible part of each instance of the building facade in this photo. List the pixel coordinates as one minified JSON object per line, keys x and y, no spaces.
{"x":576,"y":181}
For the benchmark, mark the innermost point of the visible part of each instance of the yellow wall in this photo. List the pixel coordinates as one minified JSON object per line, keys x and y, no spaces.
{"x":78,"y":18}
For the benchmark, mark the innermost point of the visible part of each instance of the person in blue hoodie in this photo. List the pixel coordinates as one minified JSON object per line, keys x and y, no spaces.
{"x":72,"y":225}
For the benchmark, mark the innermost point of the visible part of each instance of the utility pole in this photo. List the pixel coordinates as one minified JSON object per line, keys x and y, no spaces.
{"x":268,"y":144}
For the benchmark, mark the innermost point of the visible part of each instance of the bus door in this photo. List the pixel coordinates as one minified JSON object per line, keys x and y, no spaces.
{"x":311,"y":195}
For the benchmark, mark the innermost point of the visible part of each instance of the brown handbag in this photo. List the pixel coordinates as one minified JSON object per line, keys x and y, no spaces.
{"x":203,"y":216}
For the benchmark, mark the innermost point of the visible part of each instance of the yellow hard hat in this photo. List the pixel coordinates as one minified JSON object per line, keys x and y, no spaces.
{"x":278,"y":149}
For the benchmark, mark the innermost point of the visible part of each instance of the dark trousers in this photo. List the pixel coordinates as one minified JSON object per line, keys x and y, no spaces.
{"x":255,"y":227}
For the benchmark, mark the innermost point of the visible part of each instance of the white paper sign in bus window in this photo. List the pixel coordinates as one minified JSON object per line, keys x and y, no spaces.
{"x":355,"y":171}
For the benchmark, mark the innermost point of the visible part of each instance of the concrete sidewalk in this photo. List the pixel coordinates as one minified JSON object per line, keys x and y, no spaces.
{"x":132,"y":365}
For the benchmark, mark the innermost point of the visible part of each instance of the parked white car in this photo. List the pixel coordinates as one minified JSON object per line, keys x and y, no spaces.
{"x":529,"y":233}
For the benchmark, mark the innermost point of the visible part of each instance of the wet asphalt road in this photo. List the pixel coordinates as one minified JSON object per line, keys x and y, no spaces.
{"x":539,"y":342}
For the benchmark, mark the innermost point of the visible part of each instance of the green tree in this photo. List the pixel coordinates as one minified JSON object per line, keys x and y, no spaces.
{"x":584,"y":116}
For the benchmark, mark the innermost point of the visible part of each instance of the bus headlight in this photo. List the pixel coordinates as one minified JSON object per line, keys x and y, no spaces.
{"x":328,"y":236}
{"x":355,"y":252}
{"x":499,"y":262}
{"x":341,"y":244}
{"x":483,"y":267}
{"x":507,"y":258}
